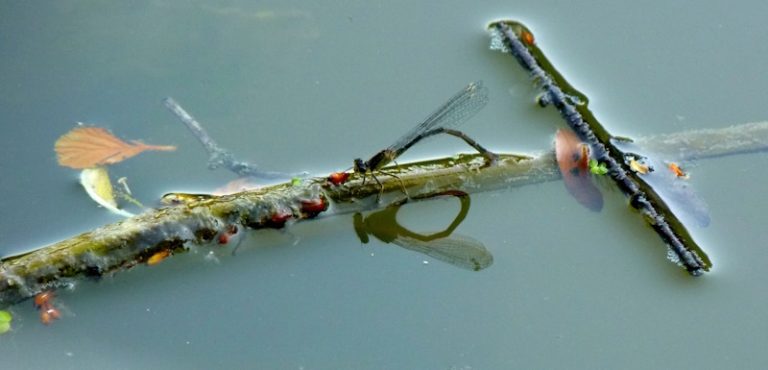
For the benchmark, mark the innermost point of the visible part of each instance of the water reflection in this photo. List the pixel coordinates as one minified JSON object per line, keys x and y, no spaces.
{"x":458,"y":250}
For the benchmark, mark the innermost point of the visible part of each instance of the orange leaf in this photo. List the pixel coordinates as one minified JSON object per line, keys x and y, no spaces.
{"x":86,"y":147}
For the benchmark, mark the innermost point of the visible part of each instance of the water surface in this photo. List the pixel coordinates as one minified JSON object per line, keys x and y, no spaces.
{"x":300,"y":86}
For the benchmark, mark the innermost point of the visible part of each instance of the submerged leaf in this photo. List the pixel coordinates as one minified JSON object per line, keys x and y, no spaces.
{"x":573,"y":159}
{"x":86,"y":147}
{"x":98,"y":186}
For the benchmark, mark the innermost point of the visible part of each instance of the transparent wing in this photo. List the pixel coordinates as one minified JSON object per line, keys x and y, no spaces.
{"x":457,"y":110}
{"x":458,"y":250}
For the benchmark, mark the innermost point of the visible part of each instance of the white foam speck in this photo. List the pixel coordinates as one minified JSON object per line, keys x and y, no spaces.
{"x":497,"y":41}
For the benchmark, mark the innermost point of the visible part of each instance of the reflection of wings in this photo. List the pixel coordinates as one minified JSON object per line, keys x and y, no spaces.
{"x":458,"y":250}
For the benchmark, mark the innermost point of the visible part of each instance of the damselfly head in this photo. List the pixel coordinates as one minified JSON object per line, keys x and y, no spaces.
{"x":360,"y":166}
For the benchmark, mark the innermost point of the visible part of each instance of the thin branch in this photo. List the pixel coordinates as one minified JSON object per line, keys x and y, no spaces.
{"x":199,"y":220}
{"x":517,"y":40}
{"x":217,"y":156}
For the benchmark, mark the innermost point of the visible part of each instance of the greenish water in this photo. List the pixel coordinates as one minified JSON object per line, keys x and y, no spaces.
{"x":309,"y":87}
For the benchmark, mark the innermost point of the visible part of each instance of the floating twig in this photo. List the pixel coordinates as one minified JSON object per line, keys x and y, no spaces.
{"x":217,"y":156}
{"x":198,"y":221}
{"x":516,"y":39}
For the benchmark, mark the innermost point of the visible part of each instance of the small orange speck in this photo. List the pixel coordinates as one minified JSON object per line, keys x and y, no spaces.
{"x":49,"y":314}
{"x":677,"y":170}
{"x":158,"y":257}
{"x":227,"y":234}
{"x":44,"y":299}
{"x":44,"y":303}
{"x":527,"y":37}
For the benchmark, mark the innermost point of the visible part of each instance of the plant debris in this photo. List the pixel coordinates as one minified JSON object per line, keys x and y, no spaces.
{"x":87,"y":147}
{"x":97,"y":184}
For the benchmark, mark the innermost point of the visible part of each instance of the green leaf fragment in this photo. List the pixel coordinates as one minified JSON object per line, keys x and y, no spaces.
{"x":295,"y":181}
{"x":5,"y":316}
{"x":5,"y":321}
{"x":597,"y":168}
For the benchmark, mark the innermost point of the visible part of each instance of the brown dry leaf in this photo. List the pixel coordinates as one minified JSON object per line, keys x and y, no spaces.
{"x":86,"y":147}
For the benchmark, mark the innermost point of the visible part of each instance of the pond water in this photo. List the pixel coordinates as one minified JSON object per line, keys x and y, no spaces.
{"x":307,"y":86}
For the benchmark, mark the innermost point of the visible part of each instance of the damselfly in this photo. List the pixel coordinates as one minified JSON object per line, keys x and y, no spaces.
{"x":457,"y":110}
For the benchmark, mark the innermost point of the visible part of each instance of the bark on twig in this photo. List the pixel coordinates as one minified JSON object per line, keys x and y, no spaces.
{"x":517,"y":40}
{"x":199,"y":221}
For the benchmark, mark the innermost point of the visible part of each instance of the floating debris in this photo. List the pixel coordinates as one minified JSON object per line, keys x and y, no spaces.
{"x":96,"y":183}
{"x":86,"y":147}
{"x":5,"y":321}
{"x":217,"y":156}
{"x":638,"y":166}
{"x":677,"y":171}
{"x":597,"y":168}
{"x":44,"y":303}
{"x":158,"y":257}
{"x":123,"y":181}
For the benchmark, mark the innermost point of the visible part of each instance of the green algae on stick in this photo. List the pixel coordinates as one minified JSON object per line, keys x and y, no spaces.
{"x":517,"y":40}
{"x":168,"y":230}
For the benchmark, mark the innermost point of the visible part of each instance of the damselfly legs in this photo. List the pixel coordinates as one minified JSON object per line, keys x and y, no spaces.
{"x":457,"y":110}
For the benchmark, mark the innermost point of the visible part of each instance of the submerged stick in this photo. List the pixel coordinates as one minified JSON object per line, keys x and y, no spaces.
{"x":218,"y":156}
{"x":197,"y":221}
{"x":514,"y":38}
